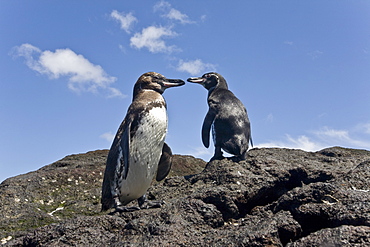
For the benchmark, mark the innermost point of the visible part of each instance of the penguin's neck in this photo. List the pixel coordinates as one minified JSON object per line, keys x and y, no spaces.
{"x":147,"y":94}
{"x":149,"y":98}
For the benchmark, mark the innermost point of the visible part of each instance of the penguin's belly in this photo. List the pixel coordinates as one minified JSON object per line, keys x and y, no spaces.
{"x":145,"y":151}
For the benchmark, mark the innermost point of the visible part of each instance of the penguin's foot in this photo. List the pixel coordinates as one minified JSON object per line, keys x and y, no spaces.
{"x":121,"y":209}
{"x":152,"y":204}
{"x":237,"y":158}
{"x":218,"y":154}
{"x":144,"y":203}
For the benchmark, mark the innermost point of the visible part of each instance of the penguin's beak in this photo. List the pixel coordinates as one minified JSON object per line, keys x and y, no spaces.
{"x":172,"y":83}
{"x":199,"y":80}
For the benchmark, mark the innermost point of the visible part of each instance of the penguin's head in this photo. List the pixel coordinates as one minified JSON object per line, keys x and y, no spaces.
{"x":210,"y":80}
{"x":156,"y":82}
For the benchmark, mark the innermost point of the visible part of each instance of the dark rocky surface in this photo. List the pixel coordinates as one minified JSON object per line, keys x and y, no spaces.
{"x":277,"y":197}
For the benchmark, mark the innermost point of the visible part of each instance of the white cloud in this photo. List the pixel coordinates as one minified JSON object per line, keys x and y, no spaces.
{"x":171,"y":13}
{"x":126,"y":20}
{"x":324,"y":137}
{"x":177,"y":15}
{"x":109,"y":136}
{"x":301,"y":142}
{"x":27,"y":51}
{"x":326,"y":133}
{"x":195,"y":67}
{"x":343,"y":137}
{"x":161,"y":5}
{"x":152,"y":39}
{"x":114,"y":92}
{"x":201,"y":152}
{"x":305,"y":143}
{"x":83,"y":75}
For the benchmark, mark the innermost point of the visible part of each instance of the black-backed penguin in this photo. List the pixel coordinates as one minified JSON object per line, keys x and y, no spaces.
{"x":226,"y":116}
{"x":138,"y":152}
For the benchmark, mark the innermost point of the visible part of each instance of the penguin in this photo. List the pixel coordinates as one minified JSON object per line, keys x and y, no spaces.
{"x":138,"y":152}
{"x":226,"y":116}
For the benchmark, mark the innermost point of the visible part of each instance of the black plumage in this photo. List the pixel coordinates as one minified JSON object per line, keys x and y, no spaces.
{"x":138,"y":152}
{"x":226,"y":116}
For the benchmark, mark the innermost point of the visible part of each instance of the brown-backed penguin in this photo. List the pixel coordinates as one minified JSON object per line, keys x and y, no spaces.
{"x":226,"y":116}
{"x":139,"y":153}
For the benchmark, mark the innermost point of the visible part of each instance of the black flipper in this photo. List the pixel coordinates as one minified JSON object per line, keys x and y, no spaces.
{"x":109,"y":185}
{"x":206,"y":128}
{"x":165,"y":163}
{"x":125,"y":145}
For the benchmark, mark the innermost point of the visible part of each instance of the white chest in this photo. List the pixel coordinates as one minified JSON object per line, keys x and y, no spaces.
{"x":145,"y":151}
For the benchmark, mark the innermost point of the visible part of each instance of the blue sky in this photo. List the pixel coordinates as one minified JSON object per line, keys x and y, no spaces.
{"x":302,"y":69}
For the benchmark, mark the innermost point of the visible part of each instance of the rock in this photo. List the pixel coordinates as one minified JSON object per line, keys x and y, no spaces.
{"x":340,"y":236}
{"x":61,"y":190}
{"x":277,"y":197}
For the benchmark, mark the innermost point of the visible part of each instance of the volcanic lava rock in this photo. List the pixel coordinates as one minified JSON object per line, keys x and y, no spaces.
{"x":276,"y":197}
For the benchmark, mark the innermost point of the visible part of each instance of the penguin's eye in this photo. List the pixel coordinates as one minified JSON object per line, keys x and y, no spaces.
{"x":157,"y":78}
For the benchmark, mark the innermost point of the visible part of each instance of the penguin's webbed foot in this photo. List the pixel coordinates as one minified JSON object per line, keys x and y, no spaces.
{"x":121,"y":209}
{"x":238,"y":158}
{"x":152,"y":204}
{"x":144,"y":203}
